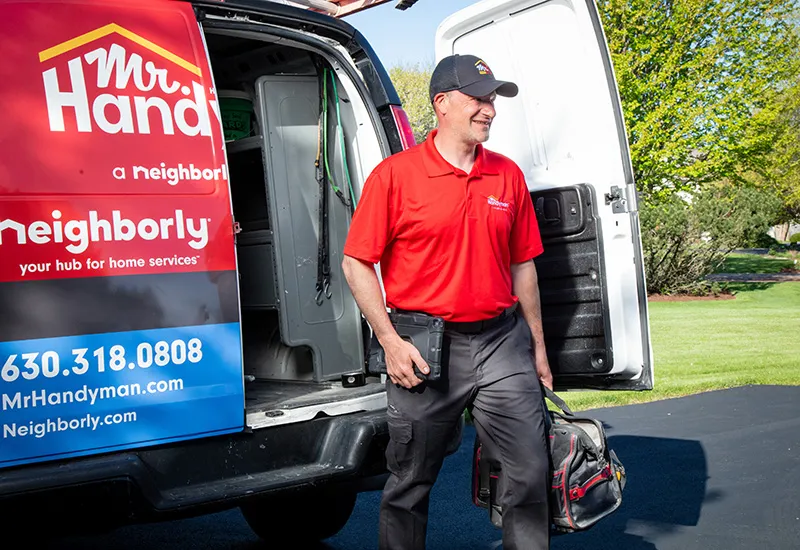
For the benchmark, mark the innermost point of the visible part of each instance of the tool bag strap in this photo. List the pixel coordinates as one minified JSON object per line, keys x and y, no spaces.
{"x":557,"y":401}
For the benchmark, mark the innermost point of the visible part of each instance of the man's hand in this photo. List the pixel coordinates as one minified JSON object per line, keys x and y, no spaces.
{"x":401,"y":356}
{"x":543,"y":370}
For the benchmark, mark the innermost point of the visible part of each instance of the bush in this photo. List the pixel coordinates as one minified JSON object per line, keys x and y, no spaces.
{"x":684,"y":240}
{"x":795,"y":238}
{"x":761,"y":240}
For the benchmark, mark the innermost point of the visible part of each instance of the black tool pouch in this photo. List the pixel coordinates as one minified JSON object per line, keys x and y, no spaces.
{"x":424,"y":332}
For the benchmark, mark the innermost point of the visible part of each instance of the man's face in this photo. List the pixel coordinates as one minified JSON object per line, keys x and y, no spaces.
{"x":470,"y":118}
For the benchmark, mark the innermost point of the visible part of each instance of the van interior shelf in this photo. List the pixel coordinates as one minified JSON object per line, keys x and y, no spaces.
{"x":244,"y":144}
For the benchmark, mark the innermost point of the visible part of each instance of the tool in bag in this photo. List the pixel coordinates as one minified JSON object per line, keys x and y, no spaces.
{"x":588,"y":478}
{"x":425,"y":332}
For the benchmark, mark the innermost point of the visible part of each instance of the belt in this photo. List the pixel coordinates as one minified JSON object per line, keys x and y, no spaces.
{"x":473,"y":327}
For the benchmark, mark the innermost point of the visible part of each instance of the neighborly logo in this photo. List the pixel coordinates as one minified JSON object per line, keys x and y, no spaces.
{"x":179,"y":106}
{"x":482,"y":67}
{"x":497,"y":204}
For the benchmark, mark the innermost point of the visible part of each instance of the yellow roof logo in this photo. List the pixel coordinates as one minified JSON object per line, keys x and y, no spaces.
{"x":482,"y":67}
{"x":112,"y":28}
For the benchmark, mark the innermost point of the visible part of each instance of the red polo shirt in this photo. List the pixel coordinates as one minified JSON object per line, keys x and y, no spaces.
{"x":445,"y":239}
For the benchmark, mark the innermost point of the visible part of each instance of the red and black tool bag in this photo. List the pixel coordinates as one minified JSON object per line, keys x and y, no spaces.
{"x":588,"y":478}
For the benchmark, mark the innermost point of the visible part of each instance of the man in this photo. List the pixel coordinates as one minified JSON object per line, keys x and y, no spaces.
{"x":453,"y":227}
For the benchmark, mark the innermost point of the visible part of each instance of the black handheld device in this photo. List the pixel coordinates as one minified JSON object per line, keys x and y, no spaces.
{"x":424,"y":332}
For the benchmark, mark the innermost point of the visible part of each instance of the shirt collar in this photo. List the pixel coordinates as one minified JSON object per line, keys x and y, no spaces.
{"x":436,"y":165}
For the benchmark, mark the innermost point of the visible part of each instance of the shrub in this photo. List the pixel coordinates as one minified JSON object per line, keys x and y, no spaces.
{"x":795,"y":238}
{"x":685,"y":239}
{"x":761,"y":240}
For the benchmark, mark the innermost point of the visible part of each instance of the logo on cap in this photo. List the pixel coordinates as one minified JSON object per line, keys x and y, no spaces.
{"x":482,"y":67}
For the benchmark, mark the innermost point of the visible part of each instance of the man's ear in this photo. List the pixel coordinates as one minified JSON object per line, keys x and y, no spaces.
{"x":440,"y":102}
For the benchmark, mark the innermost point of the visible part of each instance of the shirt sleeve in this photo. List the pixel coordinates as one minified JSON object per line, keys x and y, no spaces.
{"x":526,"y":242}
{"x":370,"y":228}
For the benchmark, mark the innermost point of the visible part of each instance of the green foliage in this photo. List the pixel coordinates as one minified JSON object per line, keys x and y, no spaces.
{"x":710,"y":93}
{"x":795,"y":238}
{"x":685,"y":240}
{"x":779,"y":168}
{"x":412,"y":83}
{"x":761,"y":240}
{"x":700,"y":83}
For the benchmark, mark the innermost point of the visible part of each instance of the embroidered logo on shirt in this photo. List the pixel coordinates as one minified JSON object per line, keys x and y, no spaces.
{"x":497,"y":204}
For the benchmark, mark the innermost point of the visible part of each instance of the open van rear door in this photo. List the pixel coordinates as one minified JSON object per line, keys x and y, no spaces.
{"x":566,"y":131}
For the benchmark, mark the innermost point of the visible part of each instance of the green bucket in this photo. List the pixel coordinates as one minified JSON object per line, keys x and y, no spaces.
{"x":237,"y":112}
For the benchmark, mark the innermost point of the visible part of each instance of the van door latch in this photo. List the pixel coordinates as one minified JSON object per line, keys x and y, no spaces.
{"x":617,"y":199}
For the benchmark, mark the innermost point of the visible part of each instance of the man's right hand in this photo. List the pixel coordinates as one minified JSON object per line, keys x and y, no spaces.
{"x":401,"y":356}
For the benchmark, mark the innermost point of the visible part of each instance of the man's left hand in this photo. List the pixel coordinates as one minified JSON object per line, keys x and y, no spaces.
{"x":543,"y":370}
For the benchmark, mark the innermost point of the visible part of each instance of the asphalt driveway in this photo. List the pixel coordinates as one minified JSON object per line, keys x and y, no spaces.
{"x":719,"y":470}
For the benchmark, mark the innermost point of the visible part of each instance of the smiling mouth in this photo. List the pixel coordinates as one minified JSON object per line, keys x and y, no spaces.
{"x":483,"y":122}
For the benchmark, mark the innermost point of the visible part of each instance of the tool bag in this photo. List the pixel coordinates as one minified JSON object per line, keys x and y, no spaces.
{"x":588,"y":478}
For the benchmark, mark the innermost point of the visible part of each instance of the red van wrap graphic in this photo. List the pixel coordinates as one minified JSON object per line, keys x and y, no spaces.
{"x":113,"y":159}
{"x":118,"y":285}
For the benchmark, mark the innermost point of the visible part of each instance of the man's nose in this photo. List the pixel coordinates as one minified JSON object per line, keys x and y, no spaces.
{"x":488,"y":109}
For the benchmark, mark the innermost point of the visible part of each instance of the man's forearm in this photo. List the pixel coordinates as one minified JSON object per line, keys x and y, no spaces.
{"x":525,"y":283}
{"x":366,"y":289}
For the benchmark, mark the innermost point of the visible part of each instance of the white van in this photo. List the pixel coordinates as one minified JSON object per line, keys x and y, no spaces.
{"x":176,"y":334}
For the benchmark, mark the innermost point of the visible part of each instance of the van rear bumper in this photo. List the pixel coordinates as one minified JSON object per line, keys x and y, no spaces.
{"x":195,"y":477}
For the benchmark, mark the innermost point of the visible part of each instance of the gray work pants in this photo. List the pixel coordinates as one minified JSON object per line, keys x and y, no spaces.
{"x":492,"y":373}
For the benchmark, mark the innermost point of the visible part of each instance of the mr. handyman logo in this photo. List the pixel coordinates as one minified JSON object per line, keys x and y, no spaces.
{"x":482,"y":67}
{"x":497,"y":204}
{"x":180,"y":104}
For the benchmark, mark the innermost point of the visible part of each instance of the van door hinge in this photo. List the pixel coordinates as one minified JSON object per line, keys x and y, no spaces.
{"x":618,"y":200}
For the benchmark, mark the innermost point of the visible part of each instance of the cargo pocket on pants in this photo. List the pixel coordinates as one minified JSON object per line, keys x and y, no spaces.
{"x":399,"y":452}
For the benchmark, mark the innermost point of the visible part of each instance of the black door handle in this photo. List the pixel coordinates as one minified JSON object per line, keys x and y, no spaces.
{"x":548,"y":210}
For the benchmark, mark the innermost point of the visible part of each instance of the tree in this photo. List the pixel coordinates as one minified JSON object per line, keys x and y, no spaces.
{"x":694,"y":76}
{"x":780,"y":170}
{"x":411,"y":83}
{"x":709,"y":95}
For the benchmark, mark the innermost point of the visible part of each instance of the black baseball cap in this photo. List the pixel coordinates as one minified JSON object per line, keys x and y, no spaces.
{"x":469,"y":75}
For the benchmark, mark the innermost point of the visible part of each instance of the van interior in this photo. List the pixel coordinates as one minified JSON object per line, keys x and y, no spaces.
{"x":301,"y":340}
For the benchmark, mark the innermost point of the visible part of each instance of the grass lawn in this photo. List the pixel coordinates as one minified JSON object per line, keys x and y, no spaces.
{"x":707,"y":345}
{"x":755,"y":263}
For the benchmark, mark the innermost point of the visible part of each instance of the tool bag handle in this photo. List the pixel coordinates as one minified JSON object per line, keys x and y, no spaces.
{"x":557,"y":401}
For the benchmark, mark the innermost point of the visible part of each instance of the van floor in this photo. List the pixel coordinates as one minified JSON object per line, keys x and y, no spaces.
{"x":275,"y":399}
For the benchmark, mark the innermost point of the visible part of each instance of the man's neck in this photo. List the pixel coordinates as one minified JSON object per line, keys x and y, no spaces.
{"x":456,"y":152}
